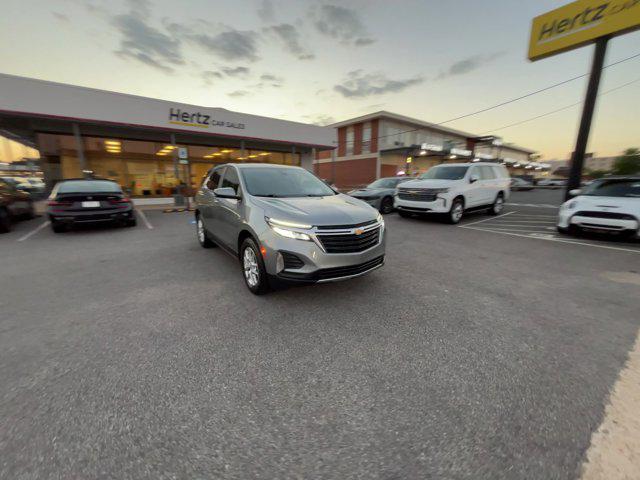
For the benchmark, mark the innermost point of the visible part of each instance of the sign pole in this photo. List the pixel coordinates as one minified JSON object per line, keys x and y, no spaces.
{"x":577,"y":160}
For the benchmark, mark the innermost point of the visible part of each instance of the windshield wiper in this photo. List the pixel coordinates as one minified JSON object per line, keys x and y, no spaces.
{"x":270,"y":195}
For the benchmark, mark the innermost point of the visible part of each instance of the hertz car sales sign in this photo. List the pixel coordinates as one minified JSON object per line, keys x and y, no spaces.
{"x":580,"y":23}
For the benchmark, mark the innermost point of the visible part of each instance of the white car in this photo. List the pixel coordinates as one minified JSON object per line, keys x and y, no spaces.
{"x":454,"y":188}
{"x":610,"y":205}
{"x":552,"y":182}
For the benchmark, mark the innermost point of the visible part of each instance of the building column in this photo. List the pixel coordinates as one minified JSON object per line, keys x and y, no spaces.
{"x":306,"y":159}
{"x":80,"y":147}
{"x":378,"y":165}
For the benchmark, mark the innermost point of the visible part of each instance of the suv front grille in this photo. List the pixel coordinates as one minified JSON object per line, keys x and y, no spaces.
{"x":417,"y":194}
{"x":612,"y":215}
{"x":338,"y":272}
{"x":350,"y":243}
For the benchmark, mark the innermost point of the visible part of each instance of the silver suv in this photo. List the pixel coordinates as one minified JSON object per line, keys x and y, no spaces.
{"x":283,"y":223}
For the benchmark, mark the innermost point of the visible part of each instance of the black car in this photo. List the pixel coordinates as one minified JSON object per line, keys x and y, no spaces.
{"x":14,"y":204}
{"x":80,"y":201}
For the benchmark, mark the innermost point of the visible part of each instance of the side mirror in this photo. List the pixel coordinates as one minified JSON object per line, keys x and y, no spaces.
{"x":226,"y":192}
{"x":575,"y":192}
{"x":473,"y":178}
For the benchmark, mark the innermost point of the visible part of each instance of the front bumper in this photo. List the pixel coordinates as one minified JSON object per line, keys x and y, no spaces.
{"x":611,"y":225}
{"x":318,"y":265}
{"x":439,"y":205}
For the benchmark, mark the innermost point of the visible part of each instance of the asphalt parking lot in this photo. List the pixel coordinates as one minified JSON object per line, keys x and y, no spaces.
{"x":484,"y":350}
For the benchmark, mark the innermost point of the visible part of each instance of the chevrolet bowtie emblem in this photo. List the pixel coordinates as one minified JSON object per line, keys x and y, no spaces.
{"x":358,"y":231}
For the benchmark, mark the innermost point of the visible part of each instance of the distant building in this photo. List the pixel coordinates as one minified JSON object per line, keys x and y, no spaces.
{"x":385,"y":144}
{"x":561,"y":168}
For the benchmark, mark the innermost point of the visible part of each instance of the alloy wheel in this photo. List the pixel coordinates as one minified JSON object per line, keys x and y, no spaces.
{"x":250,"y":264}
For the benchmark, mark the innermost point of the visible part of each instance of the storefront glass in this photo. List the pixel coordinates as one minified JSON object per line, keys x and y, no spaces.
{"x":146,"y":169}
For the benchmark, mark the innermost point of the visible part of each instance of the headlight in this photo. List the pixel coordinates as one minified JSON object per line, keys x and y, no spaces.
{"x":569,"y":205}
{"x":280,"y":227}
{"x":440,"y":190}
{"x":380,"y":219}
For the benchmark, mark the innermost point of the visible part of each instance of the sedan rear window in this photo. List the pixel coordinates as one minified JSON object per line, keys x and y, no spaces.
{"x":88,"y":186}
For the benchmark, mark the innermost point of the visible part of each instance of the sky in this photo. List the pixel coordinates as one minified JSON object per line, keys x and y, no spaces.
{"x":326,"y":61}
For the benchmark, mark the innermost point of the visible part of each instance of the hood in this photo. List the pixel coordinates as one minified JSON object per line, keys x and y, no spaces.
{"x":610,"y":204}
{"x":370,"y":191}
{"x":334,"y":210}
{"x":429,"y":183}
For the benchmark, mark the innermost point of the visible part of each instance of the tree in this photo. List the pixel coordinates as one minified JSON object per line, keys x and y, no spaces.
{"x":596,"y":173}
{"x":628,"y":163}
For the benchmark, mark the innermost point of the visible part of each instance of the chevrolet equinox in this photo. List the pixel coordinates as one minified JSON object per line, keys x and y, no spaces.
{"x":283,"y":223}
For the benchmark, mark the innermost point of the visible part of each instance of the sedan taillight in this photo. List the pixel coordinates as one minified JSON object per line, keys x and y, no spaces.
{"x":56,"y":203}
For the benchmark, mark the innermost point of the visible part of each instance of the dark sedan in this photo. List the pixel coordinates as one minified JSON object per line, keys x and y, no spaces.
{"x":379,"y":194}
{"x":14,"y":204}
{"x":81,"y":201}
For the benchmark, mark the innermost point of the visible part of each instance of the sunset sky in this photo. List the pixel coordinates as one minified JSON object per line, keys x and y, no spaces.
{"x":328,"y":61}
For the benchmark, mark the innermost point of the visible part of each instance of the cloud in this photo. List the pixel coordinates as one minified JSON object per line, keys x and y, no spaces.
{"x":210,"y":76}
{"x":269,"y":80}
{"x":239,"y":93}
{"x":468,"y":65}
{"x":230,"y":45}
{"x":266,"y":12}
{"x":145,"y":43}
{"x":235,"y":71}
{"x":359,"y":85}
{"x":290,"y":37}
{"x":320,"y":119}
{"x":343,"y":24}
{"x":60,"y":17}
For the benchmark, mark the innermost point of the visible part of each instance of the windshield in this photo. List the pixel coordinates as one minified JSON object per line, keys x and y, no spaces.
{"x":445,"y":173}
{"x":86,"y":186}
{"x":284,"y":182}
{"x":385,"y":183}
{"x":614,"y":188}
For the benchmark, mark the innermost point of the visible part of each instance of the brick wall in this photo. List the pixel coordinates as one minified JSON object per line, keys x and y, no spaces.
{"x":388,"y":170}
{"x":349,"y":173}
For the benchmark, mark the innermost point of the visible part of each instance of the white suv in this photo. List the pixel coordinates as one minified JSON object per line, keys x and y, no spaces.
{"x":454,"y":188}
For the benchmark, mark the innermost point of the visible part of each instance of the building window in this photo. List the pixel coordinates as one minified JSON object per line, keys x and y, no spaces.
{"x":350,"y":140}
{"x":366,"y":138}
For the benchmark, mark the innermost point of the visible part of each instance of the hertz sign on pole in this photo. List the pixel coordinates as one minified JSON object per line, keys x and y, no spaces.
{"x":580,"y":23}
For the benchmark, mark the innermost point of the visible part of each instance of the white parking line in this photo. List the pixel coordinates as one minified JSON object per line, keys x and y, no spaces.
{"x":536,"y":205}
{"x":552,"y":238}
{"x":487,"y":219}
{"x":144,"y":219}
{"x":34,"y":231}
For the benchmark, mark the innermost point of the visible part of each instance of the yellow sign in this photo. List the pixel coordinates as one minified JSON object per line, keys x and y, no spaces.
{"x":580,"y":23}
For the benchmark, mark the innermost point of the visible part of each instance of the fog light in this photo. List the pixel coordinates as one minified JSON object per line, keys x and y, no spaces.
{"x":279,"y":263}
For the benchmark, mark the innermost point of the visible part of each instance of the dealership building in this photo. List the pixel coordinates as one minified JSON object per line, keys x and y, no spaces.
{"x":385,"y":144}
{"x":152,"y":148}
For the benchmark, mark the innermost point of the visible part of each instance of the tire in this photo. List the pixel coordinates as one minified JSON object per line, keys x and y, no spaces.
{"x":404,"y":214}
{"x":31,"y":213}
{"x":58,"y":227}
{"x":386,"y":205}
{"x":131,"y":222}
{"x":202,"y":235}
{"x":253,"y":270}
{"x":562,"y":230}
{"x":498,"y":205}
{"x":5,"y":221}
{"x":456,"y":212}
